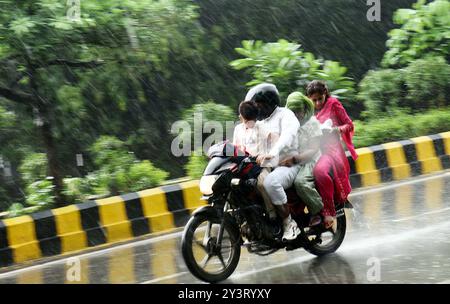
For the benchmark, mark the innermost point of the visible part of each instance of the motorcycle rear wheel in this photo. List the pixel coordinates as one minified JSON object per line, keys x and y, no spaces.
{"x":195,"y":243}
{"x":321,"y":249}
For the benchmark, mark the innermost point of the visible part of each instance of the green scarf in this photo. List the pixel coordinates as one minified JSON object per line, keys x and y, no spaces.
{"x":298,"y":102}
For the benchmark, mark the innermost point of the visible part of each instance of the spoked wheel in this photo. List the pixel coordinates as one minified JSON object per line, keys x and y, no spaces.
{"x":205,"y":256}
{"x":327,"y":241}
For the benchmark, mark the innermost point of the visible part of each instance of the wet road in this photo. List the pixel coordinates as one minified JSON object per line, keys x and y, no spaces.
{"x":397,"y":233}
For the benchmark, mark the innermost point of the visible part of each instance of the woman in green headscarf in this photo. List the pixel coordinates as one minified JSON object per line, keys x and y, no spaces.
{"x":307,"y":154}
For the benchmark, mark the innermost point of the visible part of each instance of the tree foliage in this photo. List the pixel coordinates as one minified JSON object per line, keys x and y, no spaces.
{"x":427,"y":83}
{"x":196,"y":165}
{"x":286,"y":64}
{"x":424,"y":31}
{"x":401,"y":125}
{"x":48,"y":62}
{"x":423,"y":84}
{"x":119,"y":171}
{"x":381,"y":92}
{"x":209,"y":111}
{"x":33,"y":168}
{"x":214,"y":122}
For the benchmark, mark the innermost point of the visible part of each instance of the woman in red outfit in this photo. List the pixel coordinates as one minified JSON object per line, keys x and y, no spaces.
{"x":332,"y":171}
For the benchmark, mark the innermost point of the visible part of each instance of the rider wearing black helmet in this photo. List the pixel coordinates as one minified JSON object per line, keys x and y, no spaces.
{"x":266,"y":97}
{"x":282,"y":122}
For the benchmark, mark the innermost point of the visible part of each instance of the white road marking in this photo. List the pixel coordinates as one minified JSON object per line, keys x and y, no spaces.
{"x":421,"y":215}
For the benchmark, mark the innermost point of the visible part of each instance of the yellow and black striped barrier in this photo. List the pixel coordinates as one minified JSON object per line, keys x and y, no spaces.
{"x":94,"y":223}
{"x":77,"y":227}
{"x":400,"y":160}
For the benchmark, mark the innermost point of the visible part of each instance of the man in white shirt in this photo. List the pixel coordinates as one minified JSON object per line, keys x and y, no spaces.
{"x":285,"y":124}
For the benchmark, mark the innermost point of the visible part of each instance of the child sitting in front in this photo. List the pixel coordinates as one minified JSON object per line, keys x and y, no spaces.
{"x":252,"y":137}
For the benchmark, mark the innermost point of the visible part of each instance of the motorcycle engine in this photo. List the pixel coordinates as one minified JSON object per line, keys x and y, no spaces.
{"x":250,"y":234}
{"x":247,"y":232}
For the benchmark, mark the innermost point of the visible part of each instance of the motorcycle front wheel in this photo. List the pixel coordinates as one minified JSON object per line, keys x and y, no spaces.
{"x":206,"y":258}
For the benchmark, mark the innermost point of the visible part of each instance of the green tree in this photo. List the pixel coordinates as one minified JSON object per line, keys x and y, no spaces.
{"x":382,"y":92}
{"x":215,"y":122}
{"x":40,"y":194}
{"x":15,"y":138}
{"x":209,"y":111}
{"x":119,"y":170}
{"x":424,"y":31}
{"x":427,"y":83}
{"x":44,"y":50}
{"x":401,"y":125}
{"x":285,"y":64}
{"x":33,"y":168}
{"x":196,"y":165}
{"x":144,"y":175}
{"x":423,"y":84}
{"x":6,"y":119}
{"x":337,"y":30}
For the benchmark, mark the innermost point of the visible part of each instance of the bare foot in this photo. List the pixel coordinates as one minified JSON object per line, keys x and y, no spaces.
{"x":329,"y":221}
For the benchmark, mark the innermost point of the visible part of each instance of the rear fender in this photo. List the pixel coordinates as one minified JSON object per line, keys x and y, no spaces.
{"x":348,"y":205}
{"x":340,"y":212}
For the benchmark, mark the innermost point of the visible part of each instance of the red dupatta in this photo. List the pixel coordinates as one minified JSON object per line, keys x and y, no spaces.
{"x":334,"y":110}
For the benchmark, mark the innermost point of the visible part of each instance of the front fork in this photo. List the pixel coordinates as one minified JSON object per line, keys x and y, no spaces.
{"x":219,"y":239}
{"x":222,"y":225}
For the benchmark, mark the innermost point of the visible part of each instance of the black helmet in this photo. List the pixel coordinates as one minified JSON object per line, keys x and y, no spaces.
{"x":264,"y":92}
{"x":266,"y":97}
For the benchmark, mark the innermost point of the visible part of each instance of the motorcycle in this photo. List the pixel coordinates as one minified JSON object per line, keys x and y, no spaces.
{"x":236,"y":217}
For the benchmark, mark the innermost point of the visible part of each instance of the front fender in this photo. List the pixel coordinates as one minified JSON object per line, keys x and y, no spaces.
{"x":207,"y":210}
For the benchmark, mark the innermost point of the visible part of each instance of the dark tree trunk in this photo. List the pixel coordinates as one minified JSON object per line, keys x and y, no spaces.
{"x":49,"y":144}
{"x":52,"y":159}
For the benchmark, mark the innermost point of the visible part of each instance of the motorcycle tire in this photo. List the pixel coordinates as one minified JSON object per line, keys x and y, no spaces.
{"x":338,"y":238}
{"x":188,"y":253}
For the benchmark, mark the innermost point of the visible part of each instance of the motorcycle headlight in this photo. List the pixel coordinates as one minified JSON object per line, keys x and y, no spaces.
{"x":206,"y":183}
